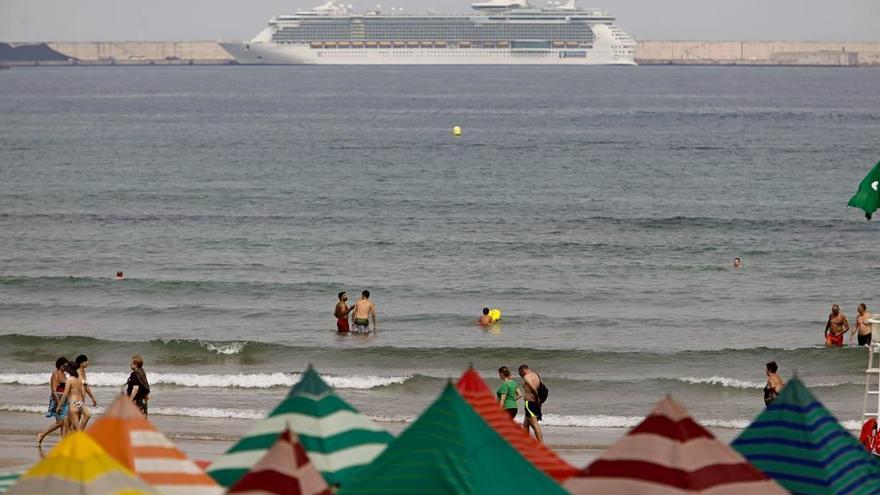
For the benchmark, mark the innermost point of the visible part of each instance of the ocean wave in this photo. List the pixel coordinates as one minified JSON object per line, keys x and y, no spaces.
{"x":745,"y":384}
{"x":190,"y":412}
{"x":241,"y":380}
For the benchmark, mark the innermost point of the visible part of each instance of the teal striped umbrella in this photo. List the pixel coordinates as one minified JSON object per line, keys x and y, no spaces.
{"x":801,"y":445}
{"x":339,"y":440}
{"x":7,"y":479}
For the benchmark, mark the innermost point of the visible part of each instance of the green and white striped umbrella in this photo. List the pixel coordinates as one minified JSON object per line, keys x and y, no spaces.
{"x":8,"y":479}
{"x":339,"y":440}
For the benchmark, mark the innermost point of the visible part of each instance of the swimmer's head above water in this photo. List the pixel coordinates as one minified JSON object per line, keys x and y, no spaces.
{"x":120,"y":276}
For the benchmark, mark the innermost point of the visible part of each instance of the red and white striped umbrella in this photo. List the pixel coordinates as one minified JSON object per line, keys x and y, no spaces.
{"x":284,"y":470}
{"x":671,"y":454}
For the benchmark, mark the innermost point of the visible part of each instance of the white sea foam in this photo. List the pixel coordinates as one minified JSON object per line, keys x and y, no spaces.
{"x":720,"y":380}
{"x":240,"y":380}
{"x":597,"y":421}
{"x":226,"y":348}
{"x":743,"y":384}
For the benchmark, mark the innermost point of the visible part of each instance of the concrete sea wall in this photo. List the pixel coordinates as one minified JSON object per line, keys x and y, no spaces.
{"x":785,"y":53}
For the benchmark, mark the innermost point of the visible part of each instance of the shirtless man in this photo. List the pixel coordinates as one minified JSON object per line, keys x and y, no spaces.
{"x":341,"y":313}
{"x":485,"y":319}
{"x":863,"y":326}
{"x":836,"y":327}
{"x":531,"y":382}
{"x":364,"y":311}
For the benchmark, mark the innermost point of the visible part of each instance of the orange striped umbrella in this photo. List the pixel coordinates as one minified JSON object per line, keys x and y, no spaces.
{"x":475,"y":391}
{"x":131,"y":439}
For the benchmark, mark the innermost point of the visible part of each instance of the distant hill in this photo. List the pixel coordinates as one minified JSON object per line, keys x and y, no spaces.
{"x":30,"y":53}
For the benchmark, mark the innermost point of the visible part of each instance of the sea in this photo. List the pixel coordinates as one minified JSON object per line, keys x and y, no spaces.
{"x":599,"y":209}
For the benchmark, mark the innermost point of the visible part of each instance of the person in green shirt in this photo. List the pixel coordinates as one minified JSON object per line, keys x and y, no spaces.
{"x":508,"y":393}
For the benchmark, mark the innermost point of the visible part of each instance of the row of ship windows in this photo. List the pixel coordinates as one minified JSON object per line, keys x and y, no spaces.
{"x":442,"y":44}
{"x":484,"y":53}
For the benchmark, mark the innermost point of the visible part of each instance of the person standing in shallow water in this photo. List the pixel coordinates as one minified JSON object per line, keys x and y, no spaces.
{"x":364,"y":311}
{"x":836,"y":327}
{"x":774,"y":383}
{"x":508,"y":393}
{"x":863,"y":326}
{"x":341,"y":313}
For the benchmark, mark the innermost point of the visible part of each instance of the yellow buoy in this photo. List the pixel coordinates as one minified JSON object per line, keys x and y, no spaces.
{"x":456,"y":131}
{"x":495,"y":314}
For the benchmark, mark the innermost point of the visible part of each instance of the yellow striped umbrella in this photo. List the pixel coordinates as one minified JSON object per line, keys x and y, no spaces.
{"x":79,"y":466}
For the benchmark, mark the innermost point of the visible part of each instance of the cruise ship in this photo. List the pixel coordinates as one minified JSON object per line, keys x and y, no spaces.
{"x":498,"y":32}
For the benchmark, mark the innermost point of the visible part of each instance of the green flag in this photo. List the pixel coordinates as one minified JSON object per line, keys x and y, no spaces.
{"x":868,"y":197}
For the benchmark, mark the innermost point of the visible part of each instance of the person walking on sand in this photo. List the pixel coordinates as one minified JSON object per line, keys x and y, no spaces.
{"x":774,"y":383}
{"x":138,"y":388}
{"x":364,"y":311}
{"x":532,"y":409}
{"x":56,"y":386}
{"x":836,"y":327}
{"x":863,"y":326}
{"x":341,"y":313}
{"x":508,"y":393}
{"x":82,"y":363}
{"x":73,"y":397}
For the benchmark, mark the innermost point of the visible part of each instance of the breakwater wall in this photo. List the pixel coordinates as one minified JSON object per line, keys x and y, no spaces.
{"x":780,"y":53}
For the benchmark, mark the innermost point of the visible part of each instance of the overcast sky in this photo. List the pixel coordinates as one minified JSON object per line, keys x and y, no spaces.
{"x":115,"y":20}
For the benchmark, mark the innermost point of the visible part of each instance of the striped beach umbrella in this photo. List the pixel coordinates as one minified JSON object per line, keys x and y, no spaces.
{"x":450,"y":449}
{"x":671,"y":454}
{"x":339,"y":440}
{"x":131,"y":439}
{"x":801,"y":445}
{"x":475,"y":391}
{"x":78,"y":465}
{"x":284,"y":470}
{"x":8,"y":478}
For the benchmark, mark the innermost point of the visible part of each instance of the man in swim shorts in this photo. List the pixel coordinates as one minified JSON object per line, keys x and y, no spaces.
{"x":863,"y":326}
{"x":364,"y":311}
{"x":836,"y":328}
{"x":341,"y":313}
{"x":531,"y":382}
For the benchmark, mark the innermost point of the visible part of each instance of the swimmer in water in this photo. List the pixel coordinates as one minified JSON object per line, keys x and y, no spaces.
{"x":120,"y":276}
{"x":737,"y":262}
{"x":341,"y":313}
{"x":836,"y":327}
{"x":863,"y":326}
{"x":485,"y":320}
{"x":774,"y":383}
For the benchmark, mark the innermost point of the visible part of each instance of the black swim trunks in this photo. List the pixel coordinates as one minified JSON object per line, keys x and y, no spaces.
{"x":533,"y":410}
{"x":865,"y":339}
{"x":511,"y":412}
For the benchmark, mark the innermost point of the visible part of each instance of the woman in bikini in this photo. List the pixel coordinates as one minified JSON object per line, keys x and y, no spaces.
{"x":56,"y":385}
{"x":74,"y":396}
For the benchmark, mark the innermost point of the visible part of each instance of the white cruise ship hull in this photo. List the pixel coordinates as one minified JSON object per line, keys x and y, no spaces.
{"x":270,"y":53}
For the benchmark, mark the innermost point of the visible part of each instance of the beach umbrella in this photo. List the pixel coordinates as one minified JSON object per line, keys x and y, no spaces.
{"x":801,"y":445}
{"x":475,"y":391}
{"x":284,"y":470}
{"x":78,"y":465}
{"x":867,"y":197}
{"x":450,"y":449}
{"x":339,"y":440}
{"x":131,"y":439}
{"x":8,"y":478}
{"x":670,"y":454}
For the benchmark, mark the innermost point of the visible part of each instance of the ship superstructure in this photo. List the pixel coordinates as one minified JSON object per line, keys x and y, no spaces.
{"x":498,"y":32}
